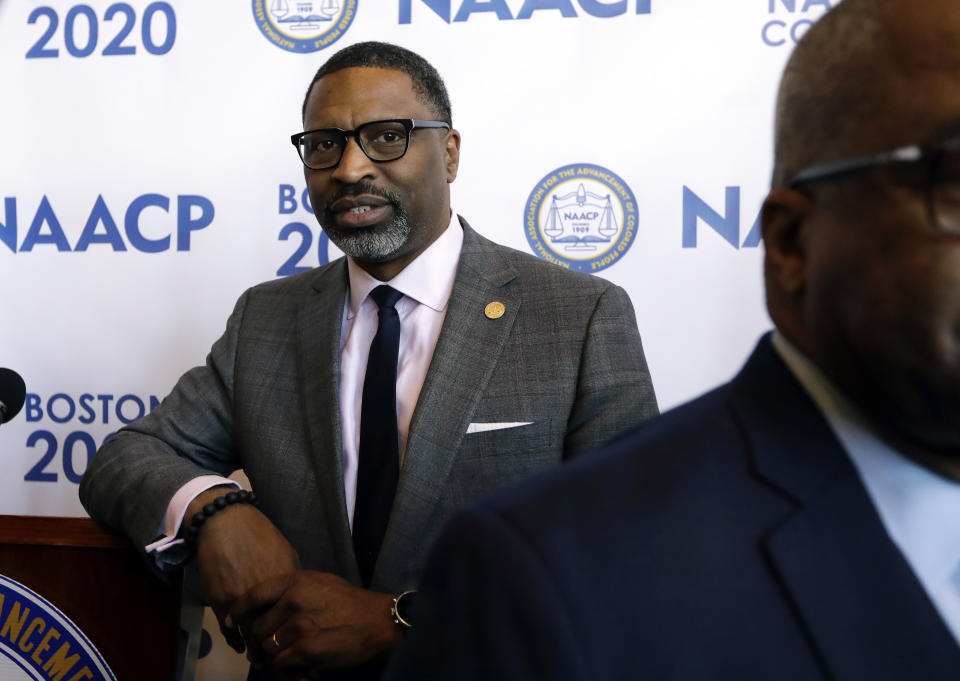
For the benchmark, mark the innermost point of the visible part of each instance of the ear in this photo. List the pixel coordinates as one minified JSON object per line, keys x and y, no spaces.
{"x":451,"y":154}
{"x":783,"y":222}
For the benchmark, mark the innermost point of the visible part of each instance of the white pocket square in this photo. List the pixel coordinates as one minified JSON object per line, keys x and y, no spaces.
{"x":483,"y":427}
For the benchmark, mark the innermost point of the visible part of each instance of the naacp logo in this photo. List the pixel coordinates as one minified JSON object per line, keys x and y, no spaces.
{"x":304,"y":25}
{"x":37,"y":641}
{"x":581,"y":216}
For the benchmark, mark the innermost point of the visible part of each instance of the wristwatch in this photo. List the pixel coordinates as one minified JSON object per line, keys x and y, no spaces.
{"x":402,"y":609}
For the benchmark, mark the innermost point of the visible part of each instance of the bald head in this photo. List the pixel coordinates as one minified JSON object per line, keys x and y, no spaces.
{"x":846,"y":90}
{"x":829,"y":87}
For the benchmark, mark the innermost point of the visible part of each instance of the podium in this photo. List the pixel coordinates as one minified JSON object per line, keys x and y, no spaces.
{"x":100,"y":582}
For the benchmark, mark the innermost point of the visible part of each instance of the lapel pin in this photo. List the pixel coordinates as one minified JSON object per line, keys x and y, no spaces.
{"x":494,"y":310}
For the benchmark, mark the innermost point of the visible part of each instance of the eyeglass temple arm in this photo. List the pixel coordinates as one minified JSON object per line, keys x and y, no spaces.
{"x":823,"y":171}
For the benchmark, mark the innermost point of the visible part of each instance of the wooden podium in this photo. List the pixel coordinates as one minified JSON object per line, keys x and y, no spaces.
{"x":99,"y":581}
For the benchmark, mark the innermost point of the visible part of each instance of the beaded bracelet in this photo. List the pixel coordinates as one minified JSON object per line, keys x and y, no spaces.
{"x":196,"y":522}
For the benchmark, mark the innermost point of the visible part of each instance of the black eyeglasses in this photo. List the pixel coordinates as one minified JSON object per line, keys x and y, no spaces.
{"x":939,"y":161}
{"x":379,"y":140}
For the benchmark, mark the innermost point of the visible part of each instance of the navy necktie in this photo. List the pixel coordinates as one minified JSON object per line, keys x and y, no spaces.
{"x":379,"y":451}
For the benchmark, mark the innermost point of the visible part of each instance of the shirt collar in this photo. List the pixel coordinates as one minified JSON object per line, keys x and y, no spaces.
{"x":428,"y":279}
{"x":914,"y":503}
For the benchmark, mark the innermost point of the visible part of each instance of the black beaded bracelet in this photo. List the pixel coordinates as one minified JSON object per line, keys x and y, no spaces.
{"x":196,"y":522}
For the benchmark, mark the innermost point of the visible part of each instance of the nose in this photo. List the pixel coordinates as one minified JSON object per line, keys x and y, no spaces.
{"x":354,"y":164}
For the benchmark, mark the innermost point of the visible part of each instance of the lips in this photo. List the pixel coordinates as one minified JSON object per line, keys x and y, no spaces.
{"x":362,"y":210}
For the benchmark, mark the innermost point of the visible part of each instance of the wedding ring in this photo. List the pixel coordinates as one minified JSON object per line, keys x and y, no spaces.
{"x":276,"y":642}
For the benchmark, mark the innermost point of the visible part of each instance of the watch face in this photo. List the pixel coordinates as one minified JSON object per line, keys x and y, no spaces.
{"x":403,"y":610}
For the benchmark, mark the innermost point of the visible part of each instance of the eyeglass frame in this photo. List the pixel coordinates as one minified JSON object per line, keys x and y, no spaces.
{"x":409,"y":124}
{"x":930,"y":153}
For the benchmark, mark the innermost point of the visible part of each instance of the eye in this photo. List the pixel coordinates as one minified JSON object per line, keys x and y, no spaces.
{"x":323,"y":145}
{"x":388,"y":137}
{"x":320,"y":143}
{"x":384,"y":135}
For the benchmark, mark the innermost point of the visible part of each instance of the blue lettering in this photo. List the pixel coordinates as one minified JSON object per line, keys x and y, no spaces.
{"x":797,"y":30}
{"x":34,"y":410}
{"x":56,"y":236}
{"x":89,"y":415}
{"x":141,"y":409}
{"x":765,"y":33}
{"x":287,"y":203}
{"x":605,"y":10}
{"x":753,"y":236}
{"x":39,"y":473}
{"x":8,"y":228}
{"x":105,"y":400}
{"x":145,"y":27}
{"x":116,"y":46}
{"x":69,"y":32}
{"x":71,"y":408}
{"x":186,"y":224}
{"x":100,"y":214}
{"x":61,"y":408}
{"x":471,"y":6}
{"x":193,"y":213}
{"x":696,"y":209}
{"x":530,"y":6}
{"x":69,"y":468}
{"x":789,"y":5}
{"x":131,"y":223}
{"x":440,"y":7}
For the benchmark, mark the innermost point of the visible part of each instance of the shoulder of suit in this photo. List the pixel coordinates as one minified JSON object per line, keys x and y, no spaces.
{"x":536,"y":269}
{"x":297,"y":284}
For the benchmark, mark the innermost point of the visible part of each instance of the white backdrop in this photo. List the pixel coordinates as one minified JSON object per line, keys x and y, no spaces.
{"x":144,"y":154}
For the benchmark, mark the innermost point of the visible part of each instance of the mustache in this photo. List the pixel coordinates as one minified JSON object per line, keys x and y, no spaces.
{"x":363,"y":187}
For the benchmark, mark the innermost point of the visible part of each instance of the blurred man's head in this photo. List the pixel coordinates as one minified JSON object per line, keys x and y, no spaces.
{"x":862,"y":232}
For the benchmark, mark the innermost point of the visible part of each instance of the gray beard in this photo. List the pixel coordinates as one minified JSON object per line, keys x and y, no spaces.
{"x":377,"y":244}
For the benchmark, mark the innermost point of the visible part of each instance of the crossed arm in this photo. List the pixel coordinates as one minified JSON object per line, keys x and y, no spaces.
{"x":284,"y":617}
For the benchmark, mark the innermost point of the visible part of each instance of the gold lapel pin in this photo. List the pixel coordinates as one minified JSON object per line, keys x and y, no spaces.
{"x":494,"y":310}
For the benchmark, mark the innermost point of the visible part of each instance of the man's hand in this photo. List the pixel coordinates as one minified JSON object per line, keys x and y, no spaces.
{"x":237,"y":548}
{"x":316,"y":620}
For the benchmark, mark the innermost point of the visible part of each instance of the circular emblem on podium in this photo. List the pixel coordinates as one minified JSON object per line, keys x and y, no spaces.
{"x":581,"y":216}
{"x":304,"y":25}
{"x":39,"y":642}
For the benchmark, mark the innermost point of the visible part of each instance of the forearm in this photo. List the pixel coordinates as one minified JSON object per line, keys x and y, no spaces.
{"x":131,"y":480}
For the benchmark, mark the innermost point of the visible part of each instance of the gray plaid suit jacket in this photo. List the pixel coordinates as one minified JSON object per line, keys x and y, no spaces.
{"x":566,"y":356}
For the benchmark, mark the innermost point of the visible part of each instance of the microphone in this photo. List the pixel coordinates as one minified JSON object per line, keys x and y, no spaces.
{"x":13,"y":391}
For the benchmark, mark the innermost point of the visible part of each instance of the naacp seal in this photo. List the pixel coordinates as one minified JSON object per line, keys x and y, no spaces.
{"x":581,"y":216}
{"x":39,"y":642}
{"x":304,"y":25}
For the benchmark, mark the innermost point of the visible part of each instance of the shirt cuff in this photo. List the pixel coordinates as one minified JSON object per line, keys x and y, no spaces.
{"x":169,"y":550}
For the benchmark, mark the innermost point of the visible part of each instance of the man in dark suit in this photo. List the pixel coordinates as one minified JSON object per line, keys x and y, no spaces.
{"x":501,"y":365}
{"x":800,"y":522}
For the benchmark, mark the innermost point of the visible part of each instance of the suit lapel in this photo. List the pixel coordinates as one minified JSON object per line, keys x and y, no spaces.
{"x":864,"y":610}
{"x":318,"y":348}
{"x":469,"y":346}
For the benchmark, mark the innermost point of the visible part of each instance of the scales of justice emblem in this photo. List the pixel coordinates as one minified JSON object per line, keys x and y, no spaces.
{"x":580,"y":220}
{"x":307,"y":15}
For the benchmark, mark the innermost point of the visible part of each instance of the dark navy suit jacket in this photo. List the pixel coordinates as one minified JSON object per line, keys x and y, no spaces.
{"x":729,"y":539}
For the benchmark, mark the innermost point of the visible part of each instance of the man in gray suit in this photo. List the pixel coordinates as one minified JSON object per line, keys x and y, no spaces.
{"x":507,"y":364}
